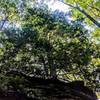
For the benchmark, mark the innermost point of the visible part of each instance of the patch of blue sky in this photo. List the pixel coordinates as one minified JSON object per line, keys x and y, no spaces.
{"x":55,"y":5}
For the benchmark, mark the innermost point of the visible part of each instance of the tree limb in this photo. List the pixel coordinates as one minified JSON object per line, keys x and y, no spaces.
{"x":85,"y":13}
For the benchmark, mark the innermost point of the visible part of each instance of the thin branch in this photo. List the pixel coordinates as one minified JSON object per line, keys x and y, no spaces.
{"x":89,"y":17}
{"x":3,"y":23}
{"x":85,"y":13}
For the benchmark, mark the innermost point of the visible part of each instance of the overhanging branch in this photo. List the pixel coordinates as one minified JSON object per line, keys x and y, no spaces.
{"x":85,"y":13}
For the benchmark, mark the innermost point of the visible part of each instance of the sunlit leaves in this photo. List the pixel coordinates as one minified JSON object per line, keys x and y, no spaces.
{"x":91,"y":7}
{"x":42,"y":40}
{"x":96,"y":35}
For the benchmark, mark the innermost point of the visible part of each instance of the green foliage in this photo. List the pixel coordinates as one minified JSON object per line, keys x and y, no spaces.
{"x":91,"y":7}
{"x":47,"y":47}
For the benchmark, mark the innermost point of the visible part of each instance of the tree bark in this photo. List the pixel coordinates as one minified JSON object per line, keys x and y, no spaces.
{"x":52,"y":67}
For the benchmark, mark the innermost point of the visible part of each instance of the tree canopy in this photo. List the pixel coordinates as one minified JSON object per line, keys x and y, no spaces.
{"x":38,"y":43}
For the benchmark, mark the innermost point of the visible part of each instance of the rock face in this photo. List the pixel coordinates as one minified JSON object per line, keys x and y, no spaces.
{"x":50,"y":89}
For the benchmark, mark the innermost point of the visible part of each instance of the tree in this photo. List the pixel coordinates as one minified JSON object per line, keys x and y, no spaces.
{"x":46,"y":47}
{"x":55,"y":45}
